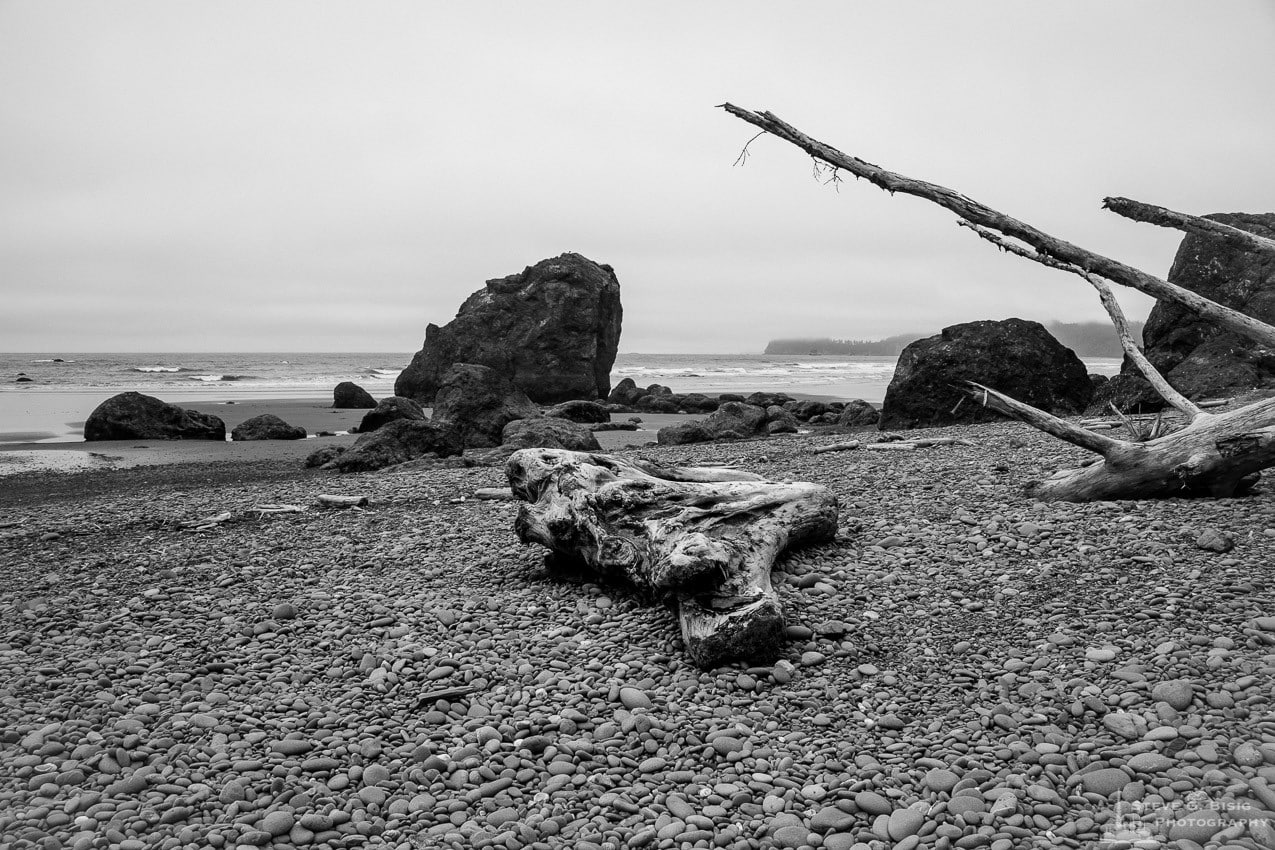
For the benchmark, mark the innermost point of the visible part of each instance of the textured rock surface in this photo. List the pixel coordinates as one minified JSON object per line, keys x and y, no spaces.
{"x":1016,"y":357}
{"x":731,"y":421}
{"x":858,"y":412}
{"x":1197,"y":357}
{"x":396,"y":442}
{"x":267,"y":426}
{"x":549,"y":434}
{"x":553,"y":329}
{"x":389,"y":410}
{"x":580,"y":411}
{"x":133,"y":416}
{"x":348,"y":395}
{"x":480,"y":402}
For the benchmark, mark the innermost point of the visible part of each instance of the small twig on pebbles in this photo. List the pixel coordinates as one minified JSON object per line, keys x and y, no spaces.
{"x":278,"y":509}
{"x":448,"y":694}
{"x":329,"y":501}
{"x":837,"y":447}
{"x":207,"y":522}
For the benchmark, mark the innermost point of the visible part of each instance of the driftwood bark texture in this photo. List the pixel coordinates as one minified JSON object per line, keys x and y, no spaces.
{"x":708,"y":537}
{"x":1213,"y":455}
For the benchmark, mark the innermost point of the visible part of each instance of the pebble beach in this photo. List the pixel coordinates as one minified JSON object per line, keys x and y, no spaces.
{"x":964,"y":668}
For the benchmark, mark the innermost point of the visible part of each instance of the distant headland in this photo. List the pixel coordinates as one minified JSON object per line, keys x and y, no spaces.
{"x":1087,"y":339}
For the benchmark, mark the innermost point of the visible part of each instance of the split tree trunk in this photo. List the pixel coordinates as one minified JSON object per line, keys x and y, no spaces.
{"x":707,"y":536}
{"x":1214,"y":455}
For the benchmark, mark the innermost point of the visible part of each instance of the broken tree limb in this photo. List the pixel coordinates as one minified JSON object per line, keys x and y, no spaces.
{"x":1215,"y":454}
{"x":330,"y":501}
{"x":919,"y":443}
{"x":981,"y":214}
{"x":1053,"y":425}
{"x":849,"y":445}
{"x":1164,"y":217}
{"x":1109,"y":303}
{"x":707,"y":537}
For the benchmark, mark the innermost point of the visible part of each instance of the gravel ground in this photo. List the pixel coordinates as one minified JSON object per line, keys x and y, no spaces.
{"x":966,"y":668}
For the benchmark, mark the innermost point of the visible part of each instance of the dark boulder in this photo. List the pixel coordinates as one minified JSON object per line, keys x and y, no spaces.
{"x":806,"y":410}
{"x":1016,"y":357}
{"x":397,"y":442}
{"x":857,"y":413}
{"x":267,"y":426}
{"x":725,"y":397}
{"x":553,"y":329}
{"x":699,"y":403}
{"x":24,"y":380}
{"x":323,"y":456}
{"x":764,"y":400}
{"x":133,"y":416}
{"x":780,"y":421}
{"x":625,"y":393}
{"x":1198,"y":357}
{"x":1130,"y":393}
{"x":388,"y":410}
{"x":546,"y":433}
{"x":480,"y":402}
{"x":658,"y":403}
{"x":580,"y":411}
{"x":348,"y":395}
{"x":731,"y":421}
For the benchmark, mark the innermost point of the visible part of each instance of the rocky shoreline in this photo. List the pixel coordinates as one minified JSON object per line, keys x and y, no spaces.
{"x":965,"y":668}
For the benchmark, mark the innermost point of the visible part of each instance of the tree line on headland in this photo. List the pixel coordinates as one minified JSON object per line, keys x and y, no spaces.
{"x":1087,"y":339}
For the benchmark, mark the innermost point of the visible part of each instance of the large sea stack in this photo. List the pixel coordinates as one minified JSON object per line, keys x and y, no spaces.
{"x":1015,"y":356}
{"x":1199,"y":358}
{"x":553,"y":329}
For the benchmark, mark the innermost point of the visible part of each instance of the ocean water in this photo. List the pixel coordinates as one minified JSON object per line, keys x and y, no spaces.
{"x":64,"y":388}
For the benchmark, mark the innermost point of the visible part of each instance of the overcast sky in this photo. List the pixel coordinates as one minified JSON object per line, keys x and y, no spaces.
{"x":217,"y":176}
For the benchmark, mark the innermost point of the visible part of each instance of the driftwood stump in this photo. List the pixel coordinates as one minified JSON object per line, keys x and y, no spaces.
{"x":708,"y":537}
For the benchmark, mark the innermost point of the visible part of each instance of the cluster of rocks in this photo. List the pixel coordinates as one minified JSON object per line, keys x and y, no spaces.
{"x":134,"y":416}
{"x":770,"y":414}
{"x":475,"y":408}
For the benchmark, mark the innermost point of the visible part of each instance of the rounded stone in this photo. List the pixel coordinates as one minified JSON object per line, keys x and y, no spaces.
{"x":1176,"y":692}
{"x":873,"y":803}
{"x":1198,"y":826}
{"x":277,"y":823}
{"x":1106,"y":781}
{"x":1150,"y":763}
{"x":905,"y":822}
{"x":632,"y":698}
{"x":941,"y":780}
{"x":964,"y":805}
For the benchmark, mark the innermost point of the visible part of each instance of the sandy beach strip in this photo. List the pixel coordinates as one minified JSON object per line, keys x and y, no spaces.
{"x":964,"y":667}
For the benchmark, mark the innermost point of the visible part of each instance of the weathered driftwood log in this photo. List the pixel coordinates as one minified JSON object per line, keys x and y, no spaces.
{"x":1213,"y":454}
{"x":707,"y":536}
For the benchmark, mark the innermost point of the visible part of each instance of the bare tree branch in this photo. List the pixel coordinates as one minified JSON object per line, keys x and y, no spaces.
{"x":1149,"y":213}
{"x":1109,"y":447}
{"x":1109,"y":303}
{"x":978,"y":213}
